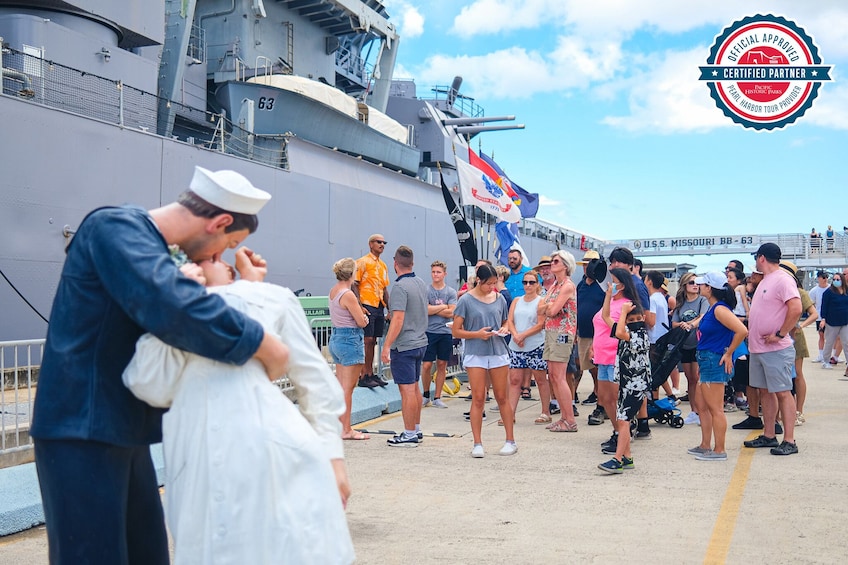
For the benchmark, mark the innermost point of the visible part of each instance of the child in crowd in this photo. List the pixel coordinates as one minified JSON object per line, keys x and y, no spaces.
{"x":633,"y":374}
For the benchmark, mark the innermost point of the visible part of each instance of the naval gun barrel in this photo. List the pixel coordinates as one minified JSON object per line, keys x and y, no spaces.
{"x":471,"y":130}
{"x":472,"y":121}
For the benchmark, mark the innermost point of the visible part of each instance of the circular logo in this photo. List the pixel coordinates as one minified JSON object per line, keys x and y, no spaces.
{"x":764,"y":72}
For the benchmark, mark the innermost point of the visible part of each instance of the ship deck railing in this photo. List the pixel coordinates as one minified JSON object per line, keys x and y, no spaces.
{"x":51,"y":84}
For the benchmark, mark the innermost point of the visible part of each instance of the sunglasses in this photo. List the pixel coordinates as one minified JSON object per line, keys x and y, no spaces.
{"x":380,"y":241}
{"x":692,"y":283}
{"x":525,"y":283}
{"x":556,"y":261}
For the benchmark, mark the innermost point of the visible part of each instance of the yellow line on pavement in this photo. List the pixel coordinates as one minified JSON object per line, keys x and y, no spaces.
{"x":725,"y":523}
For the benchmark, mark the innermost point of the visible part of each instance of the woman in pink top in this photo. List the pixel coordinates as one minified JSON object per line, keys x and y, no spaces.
{"x":347,"y":342}
{"x":604,"y":345}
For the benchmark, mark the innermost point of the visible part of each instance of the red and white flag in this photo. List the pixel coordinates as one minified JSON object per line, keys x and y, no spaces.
{"x":478,"y":189}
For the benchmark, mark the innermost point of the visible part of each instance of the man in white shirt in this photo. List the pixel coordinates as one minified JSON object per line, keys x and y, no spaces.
{"x":816,"y":294}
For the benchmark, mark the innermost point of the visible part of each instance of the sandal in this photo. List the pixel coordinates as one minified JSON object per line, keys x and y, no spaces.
{"x":356,"y":435}
{"x":500,"y":422}
{"x":542,"y":419}
{"x":563,"y":426}
{"x":525,"y":393}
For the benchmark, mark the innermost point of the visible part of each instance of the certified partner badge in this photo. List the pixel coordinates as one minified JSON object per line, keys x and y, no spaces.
{"x":764,"y":72}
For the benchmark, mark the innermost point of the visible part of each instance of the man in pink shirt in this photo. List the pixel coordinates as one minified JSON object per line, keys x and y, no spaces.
{"x":775,"y":309}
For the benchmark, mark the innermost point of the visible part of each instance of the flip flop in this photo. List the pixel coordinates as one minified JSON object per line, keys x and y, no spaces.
{"x":356,"y":436}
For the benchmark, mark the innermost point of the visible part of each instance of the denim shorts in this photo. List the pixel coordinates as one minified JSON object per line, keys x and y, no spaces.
{"x":606,"y":373}
{"x":406,"y":365}
{"x":710,"y":369}
{"x":347,"y":347}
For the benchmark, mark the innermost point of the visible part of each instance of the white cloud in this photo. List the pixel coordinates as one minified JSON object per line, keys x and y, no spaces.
{"x":665,"y":97}
{"x":410,"y":20}
{"x":830,"y":108}
{"x":591,"y":46}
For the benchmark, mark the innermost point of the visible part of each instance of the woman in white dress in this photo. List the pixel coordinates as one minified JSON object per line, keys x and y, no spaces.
{"x":250,"y":477}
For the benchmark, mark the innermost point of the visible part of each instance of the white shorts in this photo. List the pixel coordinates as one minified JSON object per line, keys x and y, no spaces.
{"x":485,"y":361}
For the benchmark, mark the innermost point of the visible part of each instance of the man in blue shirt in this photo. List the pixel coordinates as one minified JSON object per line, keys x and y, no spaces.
{"x":98,"y":486}
{"x":517,"y":269}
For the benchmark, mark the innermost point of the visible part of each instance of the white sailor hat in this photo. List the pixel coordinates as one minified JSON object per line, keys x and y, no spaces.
{"x":228,"y":190}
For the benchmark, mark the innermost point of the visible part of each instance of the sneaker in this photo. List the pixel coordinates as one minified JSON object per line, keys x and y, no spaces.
{"x":495,"y":408}
{"x":468,"y":416}
{"x":749,"y":423}
{"x":692,"y":419}
{"x":673,"y":399}
{"x":613,"y":466}
{"x":684,"y":398}
{"x":818,"y":359}
{"x":420,"y":436}
{"x":646,"y":434}
{"x":574,"y":407}
{"x":437,"y":403}
{"x":730,"y":407}
{"x":610,"y":449}
{"x":379,"y":381}
{"x":799,"y":417}
{"x":675,"y":392}
{"x":613,"y":439}
{"x":366,"y":382}
{"x":509,"y":448}
{"x":778,"y":429}
{"x":697,"y":450}
{"x":627,"y":463}
{"x":762,"y":441}
{"x":477,"y":452}
{"x":425,"y":402}
{"x":554,"y":408}
{"x":401,"y":440}
{"x":741,"y":403}
{"x":826,"y":365}
{"x":591,"y":399}
{"x":711,"y":455}
{"x":597,"y":417}
{"x":785,"y":448}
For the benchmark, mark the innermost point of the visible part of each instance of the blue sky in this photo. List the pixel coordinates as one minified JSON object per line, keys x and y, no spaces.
{"x":621,"y":138}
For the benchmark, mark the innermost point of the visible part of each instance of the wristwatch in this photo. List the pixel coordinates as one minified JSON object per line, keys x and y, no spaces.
{"x":778,"y":334}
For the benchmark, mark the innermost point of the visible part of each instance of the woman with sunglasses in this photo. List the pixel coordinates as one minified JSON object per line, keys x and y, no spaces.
{"x":526,"y":325}
{"x":835,"y":318}
{"x":560,"y":310}
{"x":480,"y":318}
{"x":691,"y":307}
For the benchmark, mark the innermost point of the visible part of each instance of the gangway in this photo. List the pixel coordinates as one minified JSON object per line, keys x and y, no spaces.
{"x":807,"y":253}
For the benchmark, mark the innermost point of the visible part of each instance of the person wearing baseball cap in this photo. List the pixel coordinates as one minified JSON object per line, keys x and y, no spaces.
{"x":721,"y":332}
{"x":775,"y":309}
{"x":119,"y":282}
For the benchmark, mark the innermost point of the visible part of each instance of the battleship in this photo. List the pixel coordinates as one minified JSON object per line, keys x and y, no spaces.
{"x":107,"y":103}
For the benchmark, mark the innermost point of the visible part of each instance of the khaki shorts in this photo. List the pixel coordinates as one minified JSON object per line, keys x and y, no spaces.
{"x":558,"y":347}
{"x":584,"y":348}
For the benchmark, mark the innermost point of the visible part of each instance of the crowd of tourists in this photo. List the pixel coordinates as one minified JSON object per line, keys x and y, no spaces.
{"x":741,"y":346}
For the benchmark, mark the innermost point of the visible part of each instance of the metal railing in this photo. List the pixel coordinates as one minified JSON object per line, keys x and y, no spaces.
{"x":51,"y":84}
{"x":19,"y":365}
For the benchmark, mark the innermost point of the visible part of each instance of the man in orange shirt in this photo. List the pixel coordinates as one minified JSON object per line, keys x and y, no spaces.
{"x":371,"y":284}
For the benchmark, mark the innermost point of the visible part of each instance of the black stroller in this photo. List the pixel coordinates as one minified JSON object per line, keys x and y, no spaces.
{"x":665,"y":358}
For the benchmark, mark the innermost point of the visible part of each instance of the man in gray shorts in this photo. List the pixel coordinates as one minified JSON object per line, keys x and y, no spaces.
{"x":406,"y":342}
{"x":775,"y":309}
